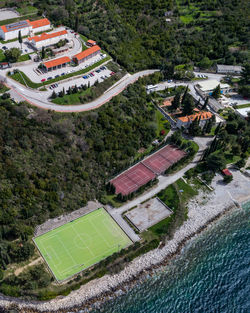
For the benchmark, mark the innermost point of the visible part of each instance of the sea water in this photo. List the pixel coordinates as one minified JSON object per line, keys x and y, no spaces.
{"x":212,"y":274}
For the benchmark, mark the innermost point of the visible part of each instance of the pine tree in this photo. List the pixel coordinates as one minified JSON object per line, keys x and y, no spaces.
{"x":184,"y":95}
{"x":43,"y":53}
{"x":217,"y":92}
{"x":188,"y":105}
{"x":209,"y":126}
{"x":20,"y":39}
{"x":53,"y":96}
{"x":176,"y":102}
{"x":204,"y":107}
{"x":217,"y":129}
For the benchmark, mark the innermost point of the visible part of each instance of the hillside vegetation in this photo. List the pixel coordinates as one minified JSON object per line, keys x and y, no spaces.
{"x":136,"y":33}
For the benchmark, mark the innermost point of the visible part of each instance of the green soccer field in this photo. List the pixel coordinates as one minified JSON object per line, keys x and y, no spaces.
{"x":81,"y":243}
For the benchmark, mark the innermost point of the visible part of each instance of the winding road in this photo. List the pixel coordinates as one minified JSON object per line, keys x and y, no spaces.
{"x":39,"y":98}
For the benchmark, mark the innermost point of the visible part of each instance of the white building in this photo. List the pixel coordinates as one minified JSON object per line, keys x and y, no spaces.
{"x":207,"y":87}
{"x":10,"y":31}
{"x":45,"y":40}
{"x":229,"y":69}
{"x":243,"y":112}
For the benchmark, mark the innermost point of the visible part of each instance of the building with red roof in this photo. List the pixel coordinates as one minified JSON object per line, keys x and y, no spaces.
{"x":202,"y":116}
{"x":56,"y":63}
{"x":91,"y":43}
{"x":26,"y":27}
{"x":45,"y":40}
{"x":86,"y":54}
{"x":226,"y":172}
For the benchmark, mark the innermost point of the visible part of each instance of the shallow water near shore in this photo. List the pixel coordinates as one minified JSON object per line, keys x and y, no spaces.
{"x":212,"y":274}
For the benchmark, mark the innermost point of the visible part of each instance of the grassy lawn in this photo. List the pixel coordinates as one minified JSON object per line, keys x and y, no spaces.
{"x":186,"y":19}
{"x":71,"y":99}
{"x":162,"y":123}
{"x":175,"y":196}
{"x":3,"y":88}
{"x":27,"y":10}
{"x":242,"y":106}
{"x":84,"y":39}
{"x":231,"y":158}
{"x":2,"y":56}
{"x":31,"y":84}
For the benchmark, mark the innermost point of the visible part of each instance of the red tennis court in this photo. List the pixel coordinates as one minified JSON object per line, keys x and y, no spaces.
{"x":146,"y":170}
{"x":157,"y":163}
{"x":132,"y":179}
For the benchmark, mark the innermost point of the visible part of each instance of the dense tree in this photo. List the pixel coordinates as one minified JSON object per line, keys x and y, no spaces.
{"x":216,"y":161}
{"x":12,"y":54}
{"x":216,"y":92}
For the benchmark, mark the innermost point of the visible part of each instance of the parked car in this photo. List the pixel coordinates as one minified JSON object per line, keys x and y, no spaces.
{"x":4,"y":48}
{"x":49,"y":78}
{"x":43,"y":80}
{"x":85,"y":77}
{"x":62,"y":74}
{"x":57,"y":76}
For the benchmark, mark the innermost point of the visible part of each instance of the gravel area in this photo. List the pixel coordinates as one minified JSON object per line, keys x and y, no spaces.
{"x":62,"y":219}
{"x":6,"y":14}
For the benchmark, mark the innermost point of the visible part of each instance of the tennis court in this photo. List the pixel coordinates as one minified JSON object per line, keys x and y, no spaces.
{"x":147,"y":170}
{"x":81,"y":243}
{"x":132,"y":179}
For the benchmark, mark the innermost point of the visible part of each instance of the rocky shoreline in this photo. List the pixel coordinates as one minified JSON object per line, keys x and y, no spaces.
{"x":203,"y":211}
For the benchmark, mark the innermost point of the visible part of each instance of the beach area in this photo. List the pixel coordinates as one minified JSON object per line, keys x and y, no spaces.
{"x":203,"y":210}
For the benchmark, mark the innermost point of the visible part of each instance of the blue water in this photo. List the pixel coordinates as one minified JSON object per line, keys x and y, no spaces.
{"x":211,"y":275}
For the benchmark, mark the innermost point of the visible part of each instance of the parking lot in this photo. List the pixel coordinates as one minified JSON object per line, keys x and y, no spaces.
{"x":101,"y":76}
{"x":30,"y":70}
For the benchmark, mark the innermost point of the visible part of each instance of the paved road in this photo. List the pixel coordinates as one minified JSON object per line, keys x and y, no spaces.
{"x":164,"y":181}
{"x":38,"y":99}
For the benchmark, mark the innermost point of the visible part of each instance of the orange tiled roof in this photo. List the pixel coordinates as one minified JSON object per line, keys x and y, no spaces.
{"x":45,"y":36}
{"x":202,"y":115}
{"x":39,"y":23}
{"x":86,"y":52}
{"x":23,"y":24}
{"x":56,"y":62}
{"x":4,"y":28}
{"x":91,"y":42}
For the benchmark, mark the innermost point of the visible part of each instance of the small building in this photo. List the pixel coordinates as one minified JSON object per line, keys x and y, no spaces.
{"x":86,"y":54}
{"x":46,"y":40}
{"x":243,"y":112}
{"x":56,"y":64}
{"x":91,"y":43}
{"x":226,"y":172}
{"x":228,"y":69}
{"x":185,"y":121}
{"x":207,"y":87}
{"x":4,"y":65}
{"x":10,"y":31}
